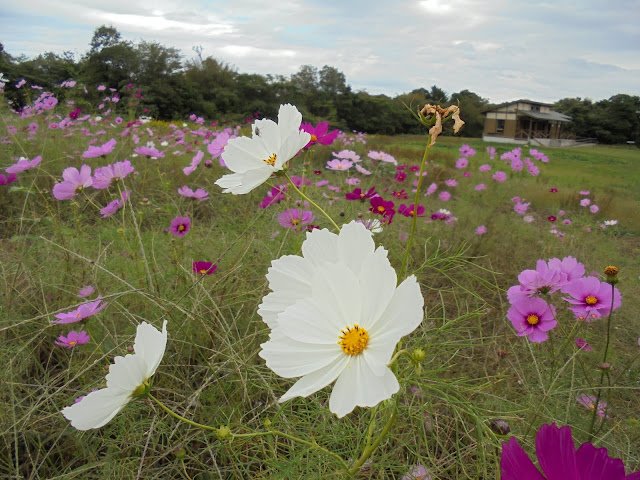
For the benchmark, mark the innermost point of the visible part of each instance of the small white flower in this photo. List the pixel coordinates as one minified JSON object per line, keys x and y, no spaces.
{"x":125,"y":378}
{"x":610,"y":222}
{"x":336,"y":313}
{"x":254,"y":159}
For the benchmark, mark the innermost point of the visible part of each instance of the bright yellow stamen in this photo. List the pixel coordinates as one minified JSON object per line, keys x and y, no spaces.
{"x":295,"y":221}
{"x":203,"y":271}
{"x":533,"y":319}
{"x":271,"y":160}
{"x":381,"y":209}
{"x":591,"y":300}
{"x":339,"y":167}
{"x":314,"y":138}
{"x":181,"y":228}
{"x":73,"y":342}
{"x":353,"y":340}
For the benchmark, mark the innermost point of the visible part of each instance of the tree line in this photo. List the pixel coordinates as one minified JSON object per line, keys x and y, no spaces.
{"x":170,"y":88}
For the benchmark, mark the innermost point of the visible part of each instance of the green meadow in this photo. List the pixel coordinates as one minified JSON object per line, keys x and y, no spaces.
{"x":478,"y":384}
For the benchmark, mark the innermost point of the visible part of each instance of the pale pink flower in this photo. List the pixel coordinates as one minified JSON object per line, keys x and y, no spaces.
{"x":74,"y":181}
{"x":199,"y":194}
{"x":23,"y":164}
{"x":336,"y":164}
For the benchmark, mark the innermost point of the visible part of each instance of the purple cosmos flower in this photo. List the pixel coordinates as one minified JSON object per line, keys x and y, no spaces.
{"x":216,"y":147}
{"x":275,"y":195}
{"x":417,"y":472}
{"x":589,"y":402}
{"x":532,"y":317}
{"x":103,"y":177}
{"x":444,"y":196}
{"x":451,"y":182}
{"x":84,"y":292}
{"x":571,"y":268}
{"x":499,"y":176}
{"x":381,"y":207}
{"x":199,"y":194}
{"x":467,"y":151}
{"x":583,"y":345}
{"x":558,"y":459}
{"x":72,"y":339}
{"x":204,"y":268}
{"x":485,"y":168}
{"x":7,"y":179}
{"x":542,"y":280}
{"x":594,"y":208}
{"x":115,"y":205}
{"x":411,"y":211}
{"x":520,"y":208}
{"x":294,"y":218}
{"x":358,"y":194}
{"x":336,"y":164}
{"x":101,"y":151}
{"x":149,"y":152}
{"x":85,"y":310}
{"x":590,"y":298}
{"x":23,"y":164}
{"x":481,"y":230}
{"x":195,"y":161}
{"x":180,"y":226}
{"x":319,"y":133}
{"x":462,"y":163}
{"x":74,"y":181}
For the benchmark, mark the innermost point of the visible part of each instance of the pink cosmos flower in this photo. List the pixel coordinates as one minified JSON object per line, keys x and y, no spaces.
{"x":103,"y":177}
{"x":451,"y":183}
{"x":115,"y":205}
{"x":589,"y":402}
{"x":74,"y":181}
{"x":590,"y":298}
{"x":216,"y":147}
{"x":149,"y":152}
{"x":467,"y":151}
{"x":444,"y":196}
{"x":362,"y":170}
{"x":462,"y":163}
{"x":499,"y":176}
{"x":583,"y":345}
{"x":204,"y":268}
{"x":347,"y":155}
{"x":400,"y":176}
{"x":23,"y":164}
{"x":85,"y":310}
{"x":101,"y":151}
{"x":532,"y":317}
{"x":542,"y":280}
{"x":411,"y":211}
{"x":199,"y":194}
{"x":336,"y":164}
{"x":584,"y":192}
{"x":480,"y":187}
{"x":84,"y":292}
{"x":528,"y":218}
{"x":353,"y":181}
{"x":275,"y":195}
{"x":481,"y":230}
{"x":7,"y":179}
{"x":417,"y":472}
{"x":319,"y":133}
{"x":585,"y":202}
{"x":569,"y":267}
{"x":382,"y":156}
{"x":72,"y":339}
{"x":195,"y":161}
{"x":521,"y":208}
{"x":559,"y":459}
{"x":491,"y":151}
{"x":180,"y":226}
{"x":295,"y":218}
{"x":432,"y":188}
{"x":594,"y":209}
{"x":485,"y":168}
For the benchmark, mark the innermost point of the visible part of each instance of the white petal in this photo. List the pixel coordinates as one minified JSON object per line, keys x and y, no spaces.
{"x":290,"y":272}
{"x":403,"y":313}
{"x":150,"y":344}
{"x":321,"y":246}
{"x":317,"y":380}
{"x":357,"y":385}
{"x":241,"y":183}
{"x":306,"y":322}
{"x":336,"y":286}
{"x":378,"y":284}
{"x":291,"y":145}
{"x":290,"y":358}
{"x":289,"y":119}
{"x":269,"y":135}
{"x":274,"y":304}
{"x":96,"y":409}
{"x":354,"y":245}
{"x":244,"y":153}
{"x":127,"y":373}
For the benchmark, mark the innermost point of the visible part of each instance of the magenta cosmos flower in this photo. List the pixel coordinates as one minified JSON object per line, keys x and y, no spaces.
{"x":180,"y":226}
{"x":542,"y":280}
{"x":294,"y":218}
{"x":115,"y":205}
{"x":204,"y":268}
{"x":381,"y":207}
{"x":559,"y":459}
{"x":532,"y":317}
{"x":73,"y":182}
{"x":72,"y":339}
{"x":590,"y":298}
{"x":23,"y":164}
{"x":7,"y":179}
{"x":319,"y":133}
{"x":101,"y":151}
{"x":499,"y":176}
{"x":358,"y":194}
{"x":411,"y":210}
{"x":85,"y":310}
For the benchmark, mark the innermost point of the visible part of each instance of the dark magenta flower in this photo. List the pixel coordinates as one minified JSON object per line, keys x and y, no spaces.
{"x":411,"y":211}
{"x":358,"y":194}
{"x":381,"y":207}
{"x":319,"y":133}
{"x":180,"y":226}
{"x":275,"y":195}
{"x":551,"y":218}
{"x":559,"y":459}
{"x":401,"y":176}
{"x":204,"y":268}
{"x":7,"y":179}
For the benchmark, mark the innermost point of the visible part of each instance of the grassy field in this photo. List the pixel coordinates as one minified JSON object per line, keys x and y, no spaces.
{"x":475,"y":371}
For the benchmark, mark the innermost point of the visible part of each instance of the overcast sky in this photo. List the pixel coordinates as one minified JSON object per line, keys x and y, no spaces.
{"x":501,"y":49}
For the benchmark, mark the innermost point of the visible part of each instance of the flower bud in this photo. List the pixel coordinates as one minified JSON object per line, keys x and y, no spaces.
{"x":612,"y":274}
{"x":267,"y":423}
{"x":499,"y":426}
{"x":419,"y":354}
{"x":223,"y":432}
{"x":605,"y":367}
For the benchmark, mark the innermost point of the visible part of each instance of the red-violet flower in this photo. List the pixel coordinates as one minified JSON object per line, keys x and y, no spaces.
{"x":204,"y":268}
{"x":180,"y":226}
{"x":319,"y":133}
{"x":381,"y":207}
{"x":358,"y":194}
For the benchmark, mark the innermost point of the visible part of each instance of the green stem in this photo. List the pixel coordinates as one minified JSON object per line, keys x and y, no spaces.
{"x":415,"y":208}
{"x":180,"y":417}
{"x":368,"y":450}
{"x":315,"y":205}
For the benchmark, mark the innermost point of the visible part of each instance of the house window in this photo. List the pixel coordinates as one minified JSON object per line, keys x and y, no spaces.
{"x":535,"y":108}
{"x":500,"y":126}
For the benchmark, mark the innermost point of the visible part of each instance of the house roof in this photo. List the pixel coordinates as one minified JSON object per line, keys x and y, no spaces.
{"x":555,"y":116}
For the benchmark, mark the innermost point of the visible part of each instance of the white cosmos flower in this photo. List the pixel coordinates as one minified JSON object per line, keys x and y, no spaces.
{"x":254,"y":159}
{"x":336,"y":313}
{"x":124,"y":380}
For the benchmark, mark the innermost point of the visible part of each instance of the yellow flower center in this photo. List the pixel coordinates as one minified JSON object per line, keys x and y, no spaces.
{"x":339,"y":167}
{"x":314,"y":138}
{"x":533,"y":319}
{"x":203,"y":271}
{"x":353,"y":340}
{"x":591,"y":300}
{"x":181,"y":228}
{"x":271,"y":160}
{"x":381,"y":209}
{"x":295,"y":221}
{"x":73,"y":342}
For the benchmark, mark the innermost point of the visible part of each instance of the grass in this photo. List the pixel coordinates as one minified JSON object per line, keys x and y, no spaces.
{"x":475,"y":369}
